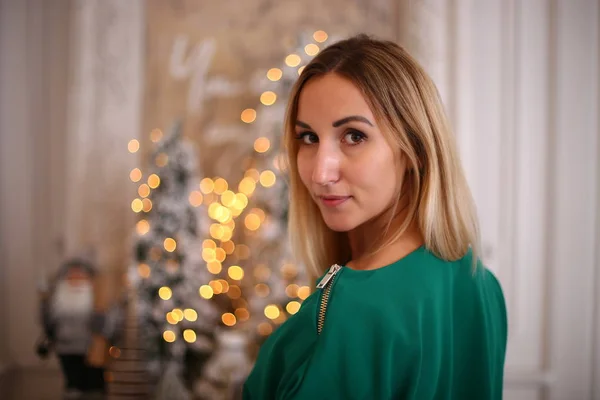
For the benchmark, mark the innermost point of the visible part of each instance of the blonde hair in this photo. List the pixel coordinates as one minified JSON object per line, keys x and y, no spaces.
{"x":403,"y":99}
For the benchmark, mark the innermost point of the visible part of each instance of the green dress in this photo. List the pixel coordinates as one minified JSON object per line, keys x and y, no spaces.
{"x":420,"y":328}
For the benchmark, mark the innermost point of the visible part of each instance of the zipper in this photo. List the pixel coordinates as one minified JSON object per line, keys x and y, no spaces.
{"x":326,"y":283}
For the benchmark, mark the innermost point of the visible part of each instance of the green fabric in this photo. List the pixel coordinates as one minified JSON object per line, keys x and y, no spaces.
{"x":421,"y":328}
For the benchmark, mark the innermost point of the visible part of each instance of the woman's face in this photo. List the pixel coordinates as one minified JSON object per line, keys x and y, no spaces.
{"x":344,"y":160}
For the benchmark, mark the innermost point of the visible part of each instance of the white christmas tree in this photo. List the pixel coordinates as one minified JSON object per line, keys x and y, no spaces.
{"x":176,"y":323}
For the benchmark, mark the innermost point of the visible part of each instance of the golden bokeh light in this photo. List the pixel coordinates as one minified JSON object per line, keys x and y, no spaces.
{"x":216,"y":286}
{"x":217,"y":231}
{"x":293,"y":60}
{"x":144,"y":190}
{"x":311,"y":49}
{"x":241,"y":201}
{"x":292,"y":307}
{"x":252,"y":173}
{"x":320,"y":36}
{"x":171,"y":319}
{"x":137,"y":205}
{"x":196,"y":198}
{"x":261,"y":214}
{"x":272,"y":311}
{"x":153,"y":181}
{"x":289,"y":271}
{"x":262,"y":290}
{"x":274,"y":74}
{"x":228,"y":247}
{"x":161,"y":160}
{"x":264,"y":329}
{"x":177,"y":313}
{"x":228,"y":198}
{"x":190,"y":314}
{"x":144,"y":270}
{"x":228,"y":319}
{"x":268,"y":98}
{"x":220,"y":254}
{"x":301,"y":69}
{"x":267,"y":178}
{"x":224,"y":285}
{"x":142,"y":227}
{"x":135,"y":175}
{"x":214,"y":267}
{"x":262,"y":145}
{"x":247,"y":186}
{"x":209,"y":244}
{"x":169,"y":336}
{"x":242,"y":314}
{"x":170,"y":244}
{"x":209,"y":254}
{"x":252,"y":221}
{"x":235,"y":272}
{"x":207,"y":185}
{"x":220,"y":185}
{"x":133,"y":146}
{"x":234,"y":292}
{"x":292,"y":290}
{"x":146,"y":205}
{"x":248,"y":115}
{"x":189,"y":336}
{"x":206,"y":291}
{"x":303,"y":292}
{"x":243,"y":252}
{"x":156,"y":135}
{"x":262,"y":272}
{"x":165,"y":293}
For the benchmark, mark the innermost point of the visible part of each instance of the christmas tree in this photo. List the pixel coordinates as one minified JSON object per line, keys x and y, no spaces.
{"x":177,"y":324}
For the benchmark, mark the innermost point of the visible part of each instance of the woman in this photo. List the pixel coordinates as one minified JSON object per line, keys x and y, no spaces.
{"x":406,"y":310}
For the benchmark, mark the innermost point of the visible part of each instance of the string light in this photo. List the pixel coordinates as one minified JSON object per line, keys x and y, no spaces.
{"x":303,"y":292}
{"x":236,"y":273}
{"x":146,"y":205}
{"x":190,"y":315}
{"x":137,"y":205}
{"x":214,"y":267}
{"x":170,"y":244}
{"x":262,"y":145}
{"x":133,"y":146}
{"x":320,"y":36}
{"x":135,"y":175}
{"x":268,"y":98}
{"x":311,"y":49}
{"x":153,"y":181}
{"x":216,"y":286}
{"x":264,"y":329}
{"x":272,"y":311}
{"x":195,"y":198}
{"x":177,"y":314}
{"x":165,"y":293}
{"x":144,"y":190}
{"x":267,"y":178}
{"x":292,"y":307}
{"x":220,"y":185}
{"x":242,"y":314}
{"x":206,"y":291}
{"x":274,"y":74}
{"x":248,"y":115}
{"x":228,"y":319}
{"x":142,"y":227}
{"x":156,"y":135}
{"x":169,"y":336}
{"x":293,"y":60}
{"x":144,"y":270}
{"x":161,"y":160}
{"x":189,"y":336}
{"x":207,"y":185}
{"x":171,"y":319}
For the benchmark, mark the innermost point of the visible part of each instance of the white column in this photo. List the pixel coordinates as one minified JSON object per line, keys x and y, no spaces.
{"x":105,"y":105}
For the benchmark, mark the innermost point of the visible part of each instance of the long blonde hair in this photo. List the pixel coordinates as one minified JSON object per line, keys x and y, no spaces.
{"x":405,"y":100}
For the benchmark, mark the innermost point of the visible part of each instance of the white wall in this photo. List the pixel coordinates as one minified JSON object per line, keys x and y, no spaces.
{"x":33,"y":76}
{"x":521,"y":81}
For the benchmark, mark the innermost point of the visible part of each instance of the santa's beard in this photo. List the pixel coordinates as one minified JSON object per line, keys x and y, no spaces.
{"x":72,"y":299}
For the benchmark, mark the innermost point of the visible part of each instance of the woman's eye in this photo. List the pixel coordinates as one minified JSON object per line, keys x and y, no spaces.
{"x":354,"y":137}
{"x":307,"y":137}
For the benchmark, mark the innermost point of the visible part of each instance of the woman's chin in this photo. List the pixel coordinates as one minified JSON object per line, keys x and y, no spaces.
{"x":339,"y":224}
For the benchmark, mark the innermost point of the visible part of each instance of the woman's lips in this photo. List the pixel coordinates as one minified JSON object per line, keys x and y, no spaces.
{"x":333,"y":201}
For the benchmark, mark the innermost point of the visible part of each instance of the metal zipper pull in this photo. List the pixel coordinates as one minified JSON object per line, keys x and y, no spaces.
{"x":334,"y":269}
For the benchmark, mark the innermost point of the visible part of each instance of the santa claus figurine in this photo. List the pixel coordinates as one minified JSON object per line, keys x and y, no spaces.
{"x":71,"y":323}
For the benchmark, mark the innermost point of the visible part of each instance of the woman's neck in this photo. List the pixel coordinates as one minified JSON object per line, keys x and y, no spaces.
{"x":364,"y":239}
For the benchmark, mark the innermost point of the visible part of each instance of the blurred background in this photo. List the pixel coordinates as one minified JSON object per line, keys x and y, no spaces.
{"x":140,"y":138}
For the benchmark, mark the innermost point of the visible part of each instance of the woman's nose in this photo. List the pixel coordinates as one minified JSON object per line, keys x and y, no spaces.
{"x":327,"y":166}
